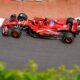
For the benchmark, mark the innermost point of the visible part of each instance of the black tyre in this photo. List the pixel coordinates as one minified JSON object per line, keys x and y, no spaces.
{"x":68,"y":38}
{"x":16,"y":33}
{"x":32,"y":33}
{"x":22,"y":16}
{"x":5,"y":33}
{"x":70,"y":22}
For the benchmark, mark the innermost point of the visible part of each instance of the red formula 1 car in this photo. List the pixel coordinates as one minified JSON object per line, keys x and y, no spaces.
{"x":65,"y":30}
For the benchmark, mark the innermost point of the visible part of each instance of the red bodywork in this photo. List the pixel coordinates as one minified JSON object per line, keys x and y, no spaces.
{"x":44,"y":27}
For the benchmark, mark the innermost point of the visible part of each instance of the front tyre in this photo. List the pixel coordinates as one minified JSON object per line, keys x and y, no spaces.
{"x":16,"y":33}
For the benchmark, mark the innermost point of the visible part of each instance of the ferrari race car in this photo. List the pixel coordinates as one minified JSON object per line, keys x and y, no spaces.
{"x":65,"y":30}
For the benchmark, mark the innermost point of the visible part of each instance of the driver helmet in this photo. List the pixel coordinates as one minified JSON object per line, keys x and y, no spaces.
{"x":13,"y":17}
{"x":22,"y":16}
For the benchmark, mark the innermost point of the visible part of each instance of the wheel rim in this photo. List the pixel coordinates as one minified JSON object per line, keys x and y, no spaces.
{"x":68,"y":40}
{"x":15,"y":34}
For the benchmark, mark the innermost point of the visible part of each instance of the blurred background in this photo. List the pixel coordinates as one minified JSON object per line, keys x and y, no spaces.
{"x":47,"y":8}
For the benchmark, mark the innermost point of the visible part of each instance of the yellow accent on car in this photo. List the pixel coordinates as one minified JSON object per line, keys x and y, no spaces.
{"x":39,"y":31}
{"x":64,"y":26}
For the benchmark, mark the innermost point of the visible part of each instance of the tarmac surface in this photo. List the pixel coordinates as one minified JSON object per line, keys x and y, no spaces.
{"x":47,"y":53}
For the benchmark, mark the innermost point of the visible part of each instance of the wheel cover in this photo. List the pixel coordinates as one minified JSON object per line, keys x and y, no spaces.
{"x":68,"y":40}
{"x":15,"y":34}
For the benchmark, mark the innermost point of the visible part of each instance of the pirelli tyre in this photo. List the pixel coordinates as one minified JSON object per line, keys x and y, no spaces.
{"x":68,"y":38}
{"x":69,"y":21}
{"x":5,"y":31}
{"x":16,"y":33}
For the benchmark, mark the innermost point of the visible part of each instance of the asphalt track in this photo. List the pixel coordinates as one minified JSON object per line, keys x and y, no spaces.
{"x":47,"y":53}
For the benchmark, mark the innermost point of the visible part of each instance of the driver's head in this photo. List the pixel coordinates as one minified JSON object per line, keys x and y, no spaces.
{"x":13,"y":17}
{"x":46,"y":21}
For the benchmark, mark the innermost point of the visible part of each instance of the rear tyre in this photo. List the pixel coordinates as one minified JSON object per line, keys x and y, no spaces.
{"x":68,"y":38}
{"x":16,"y":33}
{"x":70,"y":21}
